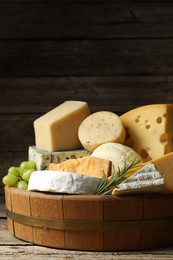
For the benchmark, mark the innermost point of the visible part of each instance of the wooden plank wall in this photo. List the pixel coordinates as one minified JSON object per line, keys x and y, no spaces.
{"x":116,"y":55}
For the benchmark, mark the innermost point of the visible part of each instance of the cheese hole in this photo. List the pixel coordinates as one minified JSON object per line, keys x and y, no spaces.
{"x":147,"y":126}
{"x":143,"y":153}
{"x":164,"y":138}
{"x":137,"y":119}
{"x":159,"y":120}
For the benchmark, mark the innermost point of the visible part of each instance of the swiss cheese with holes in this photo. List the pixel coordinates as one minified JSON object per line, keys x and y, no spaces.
{"x":149,"y":130}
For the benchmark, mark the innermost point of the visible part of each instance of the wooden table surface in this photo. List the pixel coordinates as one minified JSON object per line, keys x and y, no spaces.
{"x":13,"y":248}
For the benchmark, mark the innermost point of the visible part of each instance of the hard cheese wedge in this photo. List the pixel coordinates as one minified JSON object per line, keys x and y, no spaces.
{"x":147,"y":179}
{"x":62,"y":182}
{"x":150,"y":178}
{"x":90,"y":166}
{"x":149,"y":130}
{"x":57,"y":130}
{"x":165,"y":167}
{"x":43,"y":158}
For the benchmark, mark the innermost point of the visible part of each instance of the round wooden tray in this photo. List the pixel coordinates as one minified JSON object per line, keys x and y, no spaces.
{"x":90,"y":222}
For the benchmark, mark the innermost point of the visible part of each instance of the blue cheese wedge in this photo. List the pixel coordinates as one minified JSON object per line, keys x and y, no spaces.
{"x":147,"y":179}
{"x":62,"y":182}
{"x":43,"y":158}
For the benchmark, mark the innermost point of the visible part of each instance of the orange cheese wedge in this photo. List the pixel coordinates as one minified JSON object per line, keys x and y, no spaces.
{"x":87,"y":165}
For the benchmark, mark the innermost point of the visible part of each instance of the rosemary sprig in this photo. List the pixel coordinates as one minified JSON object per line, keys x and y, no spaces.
{"x":104,"y":188}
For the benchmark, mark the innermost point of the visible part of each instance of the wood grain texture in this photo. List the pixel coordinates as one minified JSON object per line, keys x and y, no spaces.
{"x":86,"y":58}
{"x":12,"y":247}
{"x":85,"y":19}
{"x":29,"y":95}
{"x":21,"y":204}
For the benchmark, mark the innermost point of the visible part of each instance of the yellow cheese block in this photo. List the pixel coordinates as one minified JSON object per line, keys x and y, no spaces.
{"x":164,"y":165}
{"x":149,"y":130}
{"x":90,"y":166}
{"x":57,"y":130}
{"x":101,"y":127}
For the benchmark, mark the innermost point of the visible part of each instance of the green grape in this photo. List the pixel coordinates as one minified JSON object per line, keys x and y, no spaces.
{"x":10,"y":180}
{"x":26,"y":174}
{"x":32,"y":164}
{"x":24,"y":166}
{"x":20,"y":172}
{"x":19,"y":176}
{"x":22,"y":185}
{"x":13,"y":171}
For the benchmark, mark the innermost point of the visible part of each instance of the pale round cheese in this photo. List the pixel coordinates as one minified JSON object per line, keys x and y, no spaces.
{"x":99,"y":128}
{"x":117,"y":153}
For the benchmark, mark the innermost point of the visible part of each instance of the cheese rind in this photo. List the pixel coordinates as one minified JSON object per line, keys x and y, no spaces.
{"x":62,"y":182}
{"x":90,"y":166}
{"x":57,"y":130}
{"x":43,"y":158}
{"x":164,"y":165}
{"x":118,"y":154}
{"x":101,"y":127}
{"x":149,"y":130}
{"x":147,"y":179}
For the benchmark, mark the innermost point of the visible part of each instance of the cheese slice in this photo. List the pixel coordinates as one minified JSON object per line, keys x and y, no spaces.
{"x":90,"y":166}
{"x":164,"y":165}
{"x":57,"y":130}
{"x":147,"y":179}
{"x":101,"y":127}
{"x":43,"y":158}
{"x":149,"y":130}
{"x":118,"y":154}
{"x":150,"y":177}
{"x":62,"y":182}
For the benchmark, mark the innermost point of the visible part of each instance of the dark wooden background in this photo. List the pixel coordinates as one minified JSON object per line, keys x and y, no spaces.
{"x":116,"y":55}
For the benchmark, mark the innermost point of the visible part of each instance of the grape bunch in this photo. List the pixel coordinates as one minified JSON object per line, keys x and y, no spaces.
{"x":19,"y":176}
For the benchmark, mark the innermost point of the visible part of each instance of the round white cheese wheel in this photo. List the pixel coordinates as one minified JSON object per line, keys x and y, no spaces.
{"x":101,"y":127}
{"x":117,"y":153}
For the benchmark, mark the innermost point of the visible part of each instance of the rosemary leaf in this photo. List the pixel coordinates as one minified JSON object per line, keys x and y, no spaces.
{"x":106,"y":187}
{"x":102,"y":183}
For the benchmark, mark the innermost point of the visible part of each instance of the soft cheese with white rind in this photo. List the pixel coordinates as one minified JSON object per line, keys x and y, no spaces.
{"x":101,"y":127}
{"x":57,"y":130}
{"x":117,"y":153}
{"x":147,"y":179}
{"x":43,"y":158}
{"x":62,"y":182}
{"x":149,"y":130}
